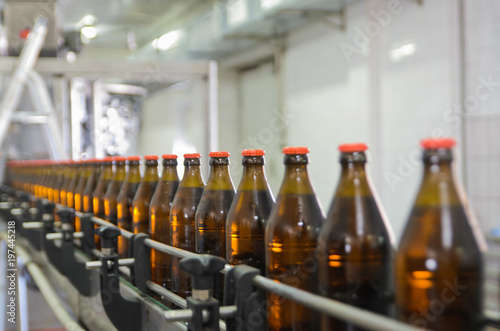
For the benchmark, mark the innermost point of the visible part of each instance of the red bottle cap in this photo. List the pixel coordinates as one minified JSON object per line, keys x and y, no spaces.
{"x":192,"y":156}
{"x":151,"y":157}
{"x":295,"y":150}
{"x":24,"y":33}
{"x":218,"y":154}
{"x":253,"y":152}
{"x":169,"y":156}
{"x":351,"y":148}
{"x":120,"y":158}
{"x":436,"y":143}
{"x":133,"y":158}
{"x":108,"y":159}
{"x":92,"y":160}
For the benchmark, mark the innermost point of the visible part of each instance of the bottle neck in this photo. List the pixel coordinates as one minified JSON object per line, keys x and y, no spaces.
{"x":254,"y":178}
{"x":120,"y":172}
{"x":219,"y":178}
{"x":107,"y":171}
{"x":169,"y":173}
{"x":353,"y":179}
{"x":438,"y":185}
{"x":296,"y":180}
{"x":134,"y":173}
{"x":192,"y":175}
{"x":151,"y":172}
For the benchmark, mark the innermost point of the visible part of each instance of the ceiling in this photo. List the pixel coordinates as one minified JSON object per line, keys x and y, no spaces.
{"x":120,"y":20}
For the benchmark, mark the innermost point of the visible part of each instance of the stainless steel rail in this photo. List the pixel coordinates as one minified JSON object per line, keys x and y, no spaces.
{"x":46,"y":289}
{"x":172,"y":297}
{"x":342,"y":311}
{"x":100,"y":221}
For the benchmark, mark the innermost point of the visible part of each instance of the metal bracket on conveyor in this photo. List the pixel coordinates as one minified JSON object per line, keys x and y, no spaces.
{"x":202,"y":311}
{"x":54,"y":253}
{"x":25,"y":217}
{"x":141,"y":268}
{"x":76,"y":271}
{"x":87,"y":234}
{"x":125,"y":314}
{"x":249,"y":301}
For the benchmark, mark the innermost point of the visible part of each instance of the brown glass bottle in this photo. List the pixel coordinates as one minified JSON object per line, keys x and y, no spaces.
{"x":247,"y":218}
{"x":159,"y":229}
{"x":291,"y":240}
{"x":142,"y":199}
{"x":86,"y":171}
{"x":102,"y":186}
{"x":88,"y":192}
{"x":439,"y":265}
{"x":57,"y":183}
{"x":111,"y":196}
{"x":69,"y":172}
{"x":47,"y":183}
{"x":182,"y":220}
{"x":212,"y":213}
{"x":124,"y":201}
{"x":355,"y":246}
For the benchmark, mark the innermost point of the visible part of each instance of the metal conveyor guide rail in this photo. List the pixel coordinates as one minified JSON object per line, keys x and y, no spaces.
{"x":108,"y":298}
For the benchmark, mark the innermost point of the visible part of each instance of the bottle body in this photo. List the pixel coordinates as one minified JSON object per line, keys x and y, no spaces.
{"x":355,"y":247}
{"x":291,"y":240}
{"x":124,"y":202}
{"x":182,"y":220}
{"x":79,"y":192}
{"x":142,"y":199}
{"x":111,"y":196}
{"x":439,"y":266}
{"x":101,"y":188}
{"x":212,"y":213}
{"x":161,"y":204}
{"x":248,"y":215}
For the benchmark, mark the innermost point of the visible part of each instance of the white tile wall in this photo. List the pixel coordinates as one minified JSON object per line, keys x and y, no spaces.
{"x":389,"y":104}
{"x":482,"y":51}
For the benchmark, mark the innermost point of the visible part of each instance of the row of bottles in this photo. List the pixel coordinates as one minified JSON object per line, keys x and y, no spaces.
{"x":434,"y":278}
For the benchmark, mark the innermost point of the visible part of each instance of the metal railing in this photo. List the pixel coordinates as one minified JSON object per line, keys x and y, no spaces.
{"x":359,"y":317}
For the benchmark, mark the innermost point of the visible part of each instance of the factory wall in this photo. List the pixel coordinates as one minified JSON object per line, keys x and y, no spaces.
{"x":330,"y":86}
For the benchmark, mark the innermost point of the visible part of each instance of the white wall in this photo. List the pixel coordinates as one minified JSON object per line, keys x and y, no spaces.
{"x":331,"y":98}
{"x":344,"y":86}
{"x":480,"y":116}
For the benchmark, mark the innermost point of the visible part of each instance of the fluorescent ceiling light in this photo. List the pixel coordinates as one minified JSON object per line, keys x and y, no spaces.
{"x":237,"y":12}
{"x":89,"y":32}
{"x":168,"y":40}
{"x":268,"y":4}
{"x":87,"y":20}
{"x":402,"y":51}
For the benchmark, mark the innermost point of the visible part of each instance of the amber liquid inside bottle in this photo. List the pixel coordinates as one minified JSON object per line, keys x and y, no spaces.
{"x":111,"y":196}
{"x":88,"y":192}
{"x":182,"y":222}
{"x":212,"y":213}
{"x":47,"y":177}
{"x":99,"y":192}
{"x":142,"y":199}
{"x":58,"y":183}
{"x":247,"y":218}
{"x":291,"y":240}
{"x":160,"y":221}
{"x":79,"y":192}
{"x":101,"y":188}
{"x":124,"y":204}
{"x":439,"y":265}
{"x":355,"y":249}
{"x":68,"y":174}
